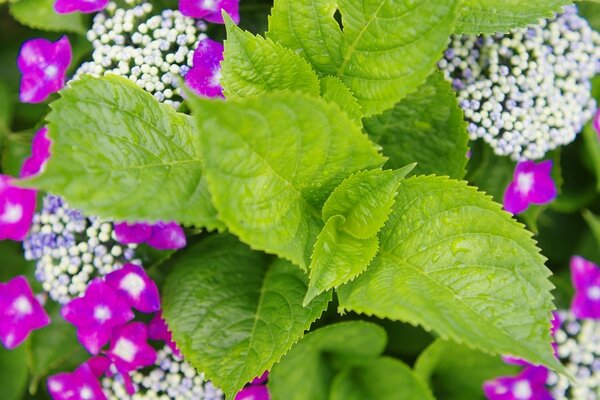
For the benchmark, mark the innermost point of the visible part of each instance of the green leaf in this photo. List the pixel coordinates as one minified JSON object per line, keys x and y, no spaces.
{"x":307,"y":370}
{"x":490,"y":173}
{"x":383,"y":379}
{"x":337,"y":257}
{"x":40,"y":14}
{"x":13,"y":373}
{"x":593,"y":222}
{"x":427,"y":127}
{"x":254,"y":66}
{"x":118,"y":153}
{"x":6,"y":109}
{"x":16,"y":147}
{"x":335,"y":91}
{"x":456,"y":372}
{"x":385,"y":51}
{"x":452,"y":261}
{"x":592,"y":148}
{"x":365,"y":200}
{"x":271,"y":162}
{"x":235,"y":312}
{"x":491,"y":16}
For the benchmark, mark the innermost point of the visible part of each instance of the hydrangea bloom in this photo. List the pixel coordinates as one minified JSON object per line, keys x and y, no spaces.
{"x":20,"y":312}
{"x":97,"y":314}
{"x":531,"y":184}
{"x":586,"y":280}
{"x":129,"y":349}
{"x":17,"y":206}
{"x":530,"y":384}
{"x":210,"y":10}
{"x":43,"y":65}
{"x":83,"y":6}
{"x":81,"y":384}
{"x":161,"y":235}
{"x":205,"y":76}
{"x":135,"y":285}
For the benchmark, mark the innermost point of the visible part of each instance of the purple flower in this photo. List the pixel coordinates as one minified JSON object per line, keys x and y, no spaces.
{"x":83,"y":6}
{"x":43,"y":65}
{"x":129,"y":349}
{"x":40,"y":152}
{"x":20,"y":312}
{"x":210,"y":10}
{"x":17,"y":207}
{"x":529,"y":384}
{"x":532,"y":184}
{"x":253,"y":393}
{"x":158,"y":330}
{"x":99,"y":365}
{"x":96,"y":314}
{"x":161,"y":235}
{"x":261,"y":379}
{"x":81,"y":384}
{"x":204,"y":77}
{"x":597,"y":122}
{"x":586,"y":280}
{"x":134,"y":284}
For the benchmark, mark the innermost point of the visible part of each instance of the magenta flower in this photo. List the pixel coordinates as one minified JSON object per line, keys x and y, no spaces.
{"x":43,"y":65}
{"x":17,"y":207}
{"x":97,"y":314}
{"x":40,"y":153}
{"x":596,"y":122}
{"x":529,"y":384}
{"x":99,"y":365}
{"x":82,"y":6}
{"x":210,"y":10}
{"x":134,"y":284}
{"x":158,"y":330}
{"x":586,"y":280}
{"x":20,"y":312}
{"x":81,"y":384}
{"x":129,"y":349}
{"x":261,"y":379}
{"x":532,"y":184}
{"x":161,"y":235}
{"x":253,"y":393}
{"x":204,"y":77}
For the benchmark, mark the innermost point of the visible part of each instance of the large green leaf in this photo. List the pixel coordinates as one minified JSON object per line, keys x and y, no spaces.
{"x":382,"y":379}
{"x":235,"y":312}
{"x":452,"y":261}
{"x":271,"y":162}
{"x":456,"y":372}
{"x":118,"y":153}
{"x":490,"y":16}
{"x":427,"y":127}
{"x":336,"y":91}
{"x":40,"y":14}
{"x":306,"y":372}
{"x":386,"y":49}
{"x":591,"y":140}
{"x":13,"y":373}
{"x":254,"y":66}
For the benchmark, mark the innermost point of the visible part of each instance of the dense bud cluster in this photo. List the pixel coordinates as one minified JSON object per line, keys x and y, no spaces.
{"x":526,"y":92}
{"x":71,"y":249}
{"x":169,"y":378}
{"x":578,"y":343}
{"x":154,"y":51}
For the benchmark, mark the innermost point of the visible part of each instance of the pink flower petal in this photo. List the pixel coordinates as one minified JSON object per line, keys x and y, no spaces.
{"x":132,"y":232}
{"x":529,"y":384}
{"x":40,"y":152}
{"x":83,"y":6}
{"x":167,"y":236}
{"x":253,"y":393}
{"x":133,"y":283}
{"x":532,"y":184}
{"x":261,"y":379}
{"x":232,"y":7}
{"x":205,"y":75}
{"x":158,"y":330}
{"x":17,"y":207}
{"x":586,"y":280}
{"x":20,"y":312}
{"x":129,"y":349}
{"x":79,"y":385}
{"x":210,"y":10}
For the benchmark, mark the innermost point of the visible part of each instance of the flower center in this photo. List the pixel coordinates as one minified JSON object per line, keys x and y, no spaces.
{"x":102,"y":314}
{"x":125,"y":349}
{"x":522,"y":390}
{"x":525,"y":182}
{"x":209,"y":4}
{"x":593,"y":292}
{"x":12,"y":213}
{"x":133,"y":284}
{"x":51,"y":71}
{"x":23,"y":305}
{"x":86,"y":393}
{"x":216,"y":78}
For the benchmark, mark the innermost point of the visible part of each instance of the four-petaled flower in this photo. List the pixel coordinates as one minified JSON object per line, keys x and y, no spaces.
{"x":17,"y":206}
{"x":79,"y":385}
{"x":20,"y":312}
{"x":531,"y":184}
{"x":129,"y":349}
{"x":529,"y":384}
{"x":204,"y":77}
{"x":158,"y":330}
{"x":210,"y":10}
{"x":83,"y":6}
{"x":586,"y":280}
{"x":161,"y":235}
{"x":43,"y":65}
{"x":97,"y":314}
{"x":134,"y":284}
